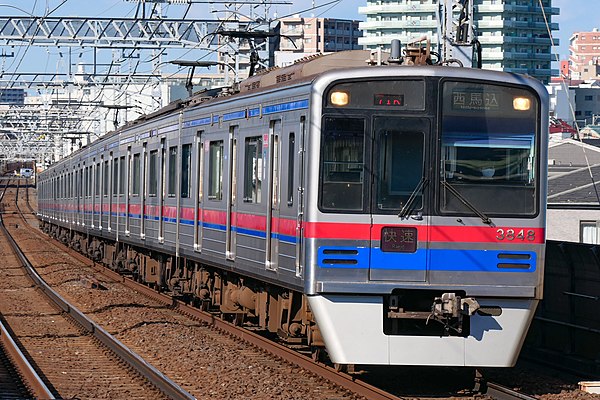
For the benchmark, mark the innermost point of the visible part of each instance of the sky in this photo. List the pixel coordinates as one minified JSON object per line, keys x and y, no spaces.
{"x":582,"y":15}
{"x":574,"y":15}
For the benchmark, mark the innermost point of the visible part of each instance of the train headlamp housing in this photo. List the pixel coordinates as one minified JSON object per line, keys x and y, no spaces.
{"x":522,"y":103}
{"x":339,"y":98}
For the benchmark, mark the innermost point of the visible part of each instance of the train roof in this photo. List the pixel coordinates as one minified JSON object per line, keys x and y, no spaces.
{"x":306,"y":68}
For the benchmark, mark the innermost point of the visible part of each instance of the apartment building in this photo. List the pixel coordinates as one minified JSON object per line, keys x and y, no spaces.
{"x":299,"y":37}
{"x":584,"y":55}
{"x":318,"y":35}
{"x":514,"y":34}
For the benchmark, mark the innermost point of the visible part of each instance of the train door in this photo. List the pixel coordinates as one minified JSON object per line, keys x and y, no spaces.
{"x":161,"y":193}
{"x":198,"y":208}
{"x":272,"y":234}
{"x":112,"y":193}
{"x":77,"y":188}
{"x":299,"y":262}
{"x":144,"y":191}
{"x":128,"y":189}
{"x":105,"y":211}
{"x":96,"y":179}
{"x":230,"y":239}
{"x":399,"y":230}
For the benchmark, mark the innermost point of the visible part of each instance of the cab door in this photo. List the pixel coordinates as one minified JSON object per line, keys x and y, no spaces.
{"x":400,"y":228}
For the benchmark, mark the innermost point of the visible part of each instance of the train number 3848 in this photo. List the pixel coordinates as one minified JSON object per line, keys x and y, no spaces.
{"x":515,"y":234}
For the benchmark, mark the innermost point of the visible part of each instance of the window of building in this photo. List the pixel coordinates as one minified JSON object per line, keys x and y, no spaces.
{"x":186,"y":169}
{"x":589,"y":232}
{"x":215,"y":170}
{"x":589,"y":98}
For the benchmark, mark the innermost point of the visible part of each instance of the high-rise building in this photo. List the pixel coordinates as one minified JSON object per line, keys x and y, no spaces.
{"x":514,"y":34}
{"x":584,"y":55}
{"x":12,"y":96}
{"x":318,"y":35}
{"x":299,"y":35}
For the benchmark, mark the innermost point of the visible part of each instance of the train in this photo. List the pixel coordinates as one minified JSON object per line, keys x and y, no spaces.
{"x":25,"y":172}
{"x":374,"y":213}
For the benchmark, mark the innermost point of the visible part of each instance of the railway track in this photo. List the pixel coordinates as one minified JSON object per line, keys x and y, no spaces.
{"x":350,"y":383}
{"x":75,"y":355}
{"x":326,"y":375}
{"x":18,"y":378}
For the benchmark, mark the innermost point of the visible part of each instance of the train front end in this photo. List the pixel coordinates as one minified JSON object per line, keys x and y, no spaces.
{"x":425,"y":214}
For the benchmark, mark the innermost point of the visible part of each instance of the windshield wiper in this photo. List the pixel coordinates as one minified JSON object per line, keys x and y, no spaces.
{"x":484,"y":218}
{"x":411,"y":199}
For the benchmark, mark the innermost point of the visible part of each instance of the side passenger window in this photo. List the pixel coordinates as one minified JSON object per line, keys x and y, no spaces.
{"x":253,"y":169}
{"x":153,"y":174}
{"x":215,"y":170}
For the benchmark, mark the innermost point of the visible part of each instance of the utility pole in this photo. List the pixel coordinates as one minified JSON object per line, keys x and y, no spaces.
{"x":458,"y":44}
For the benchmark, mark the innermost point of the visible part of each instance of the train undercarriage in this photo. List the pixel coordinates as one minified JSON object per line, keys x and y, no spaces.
{"x":240,"y":300}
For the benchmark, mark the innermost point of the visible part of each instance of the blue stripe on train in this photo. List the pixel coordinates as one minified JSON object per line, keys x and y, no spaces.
{"x":439,"y":260}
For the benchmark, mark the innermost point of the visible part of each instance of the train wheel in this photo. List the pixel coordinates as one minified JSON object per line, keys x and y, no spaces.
{"x":340,"y":367}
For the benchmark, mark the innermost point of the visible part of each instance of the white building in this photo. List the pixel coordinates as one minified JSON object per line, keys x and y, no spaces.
{"x":513,"y":33}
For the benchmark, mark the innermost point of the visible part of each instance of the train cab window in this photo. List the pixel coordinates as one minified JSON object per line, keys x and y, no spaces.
{"x":135,"y":175}
{"x":342,"y":164}
{"x":172,"y":181}
{"x":186,"y":169}
{"x":399,"y":174}
{"x":253,"y":169}
{"x":215,"y":170}
{"x":153,"y":174}
{"x":489,"y":161}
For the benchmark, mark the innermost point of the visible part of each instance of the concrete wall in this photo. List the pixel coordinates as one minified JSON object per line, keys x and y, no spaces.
{"x":564,"y":225}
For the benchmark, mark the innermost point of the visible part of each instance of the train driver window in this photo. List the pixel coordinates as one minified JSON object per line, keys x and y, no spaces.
{"x":342,"y":164}
{"x":489,"y":161}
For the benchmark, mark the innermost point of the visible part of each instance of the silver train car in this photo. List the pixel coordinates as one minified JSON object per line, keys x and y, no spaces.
{"x":394,"y":215}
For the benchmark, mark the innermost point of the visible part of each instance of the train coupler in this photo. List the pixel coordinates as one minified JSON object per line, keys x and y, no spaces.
{"x":450,"y":309}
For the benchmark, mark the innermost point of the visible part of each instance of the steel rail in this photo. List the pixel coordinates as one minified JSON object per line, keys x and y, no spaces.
{"x":341,"y":379}
{"x":153,"y":375}
{"x":31,"y":379}
{"x":499,"y":392}
{"x":30,"y":376}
